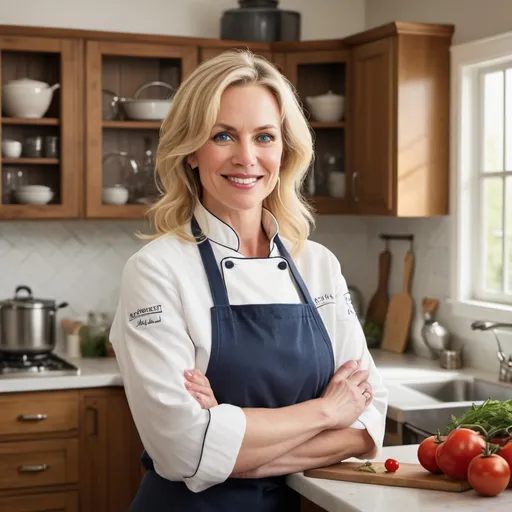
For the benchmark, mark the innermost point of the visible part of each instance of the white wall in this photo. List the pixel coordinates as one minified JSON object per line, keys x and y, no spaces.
{"x":322,"y":19}
{"x":473,"y":19}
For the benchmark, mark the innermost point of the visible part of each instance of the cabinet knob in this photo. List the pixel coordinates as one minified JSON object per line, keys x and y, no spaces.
{"x":33,"y":468}
{"x":32,"y":417}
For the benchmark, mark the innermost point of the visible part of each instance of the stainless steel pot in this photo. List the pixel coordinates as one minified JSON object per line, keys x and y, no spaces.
{"x":28,"y":325}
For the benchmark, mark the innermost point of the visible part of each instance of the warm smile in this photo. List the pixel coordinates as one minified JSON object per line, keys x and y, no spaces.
{"x":242,"y":181}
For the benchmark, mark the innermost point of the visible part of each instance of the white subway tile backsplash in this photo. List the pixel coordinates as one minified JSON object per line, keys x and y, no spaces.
{"x":80,"y":262}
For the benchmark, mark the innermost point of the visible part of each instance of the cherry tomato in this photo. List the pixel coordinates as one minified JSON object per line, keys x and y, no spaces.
{"x":427,"y":452}
{"x":506,"y":453}
{"x":391,"y":465}
{"x":460,"y":448}
{"x":488,"y":475}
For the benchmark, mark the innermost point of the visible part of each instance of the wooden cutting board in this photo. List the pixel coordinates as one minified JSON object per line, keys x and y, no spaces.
{"x":408,"y":475}
{"x":399,"y":315}
{"x":378,"y":305}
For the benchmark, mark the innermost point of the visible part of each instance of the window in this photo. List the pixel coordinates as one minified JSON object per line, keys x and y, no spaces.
{"x":481,"y":162}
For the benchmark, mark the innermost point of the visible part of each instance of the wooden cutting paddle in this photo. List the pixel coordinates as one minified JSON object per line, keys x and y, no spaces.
{"x":399,"y":316}
{"x":378,"y":305}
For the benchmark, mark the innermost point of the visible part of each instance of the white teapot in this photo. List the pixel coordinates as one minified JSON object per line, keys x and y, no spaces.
{"x":326,"y":108}
{"x":27,"y":98}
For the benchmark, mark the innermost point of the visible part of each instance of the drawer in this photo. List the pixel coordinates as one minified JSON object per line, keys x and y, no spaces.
{"x":36,"y":413}
{"x":54,"y":502}
{"x":38,"y":463}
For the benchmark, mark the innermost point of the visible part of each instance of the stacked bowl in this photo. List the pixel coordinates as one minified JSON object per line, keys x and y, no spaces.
{"x":34,"y":194}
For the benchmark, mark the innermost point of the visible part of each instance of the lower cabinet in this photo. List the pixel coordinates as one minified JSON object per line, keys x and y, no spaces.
{"x":51,"y":502}
{"x":68,"y":451}
{"x":110,"y":450}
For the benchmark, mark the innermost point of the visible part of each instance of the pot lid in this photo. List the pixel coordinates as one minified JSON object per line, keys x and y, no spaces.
{"x":26,"y":300}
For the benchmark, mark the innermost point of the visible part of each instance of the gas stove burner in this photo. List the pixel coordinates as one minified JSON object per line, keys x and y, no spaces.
{"x":35,"y":365}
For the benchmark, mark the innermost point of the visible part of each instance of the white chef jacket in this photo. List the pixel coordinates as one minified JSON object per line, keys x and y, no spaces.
{"x":162,"y":327}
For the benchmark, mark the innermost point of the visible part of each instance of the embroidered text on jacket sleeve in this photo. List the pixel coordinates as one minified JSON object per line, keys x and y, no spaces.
{"x":153,"y":350}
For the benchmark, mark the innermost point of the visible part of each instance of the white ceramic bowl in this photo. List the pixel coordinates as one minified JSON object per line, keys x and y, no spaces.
{"x":11,"y":148}
{"x":25,"y":197}
{"x":327,"y":108}
{"x":34,"y":189}
{"x":114,"y":195}
{"x":146,"y":110}
{"x":27,"y":98}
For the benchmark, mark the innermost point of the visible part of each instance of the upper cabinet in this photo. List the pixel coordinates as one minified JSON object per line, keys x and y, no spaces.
{"x":41,"y":127}
{"x":400,"y":106}
{"x":377,"y":103}
{"x":320,"y":77}
{"x":128,"y":90}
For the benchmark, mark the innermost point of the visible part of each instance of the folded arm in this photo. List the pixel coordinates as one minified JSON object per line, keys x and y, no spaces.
{"x":328,"y":447}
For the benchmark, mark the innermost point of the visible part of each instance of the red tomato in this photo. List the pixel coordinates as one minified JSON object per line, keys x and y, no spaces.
{"x":506,"y":453}
{"x":488,"y":475}
{"x":427,"y":453}
{"x":391,"y":465}
{"x":460,"y":448}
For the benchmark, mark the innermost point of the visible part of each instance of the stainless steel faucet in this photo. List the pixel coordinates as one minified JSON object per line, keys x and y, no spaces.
{"x":505,"y":359}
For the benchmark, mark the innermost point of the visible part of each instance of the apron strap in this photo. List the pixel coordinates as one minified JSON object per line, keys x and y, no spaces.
{"x":295,"y":273}
{"x":217,"y":286}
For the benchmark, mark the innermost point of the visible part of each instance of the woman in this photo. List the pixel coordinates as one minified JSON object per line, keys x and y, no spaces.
{"x":217,"y":293}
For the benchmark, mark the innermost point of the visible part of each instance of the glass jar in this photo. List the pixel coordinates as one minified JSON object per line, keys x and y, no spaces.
{"x":94,"y":335}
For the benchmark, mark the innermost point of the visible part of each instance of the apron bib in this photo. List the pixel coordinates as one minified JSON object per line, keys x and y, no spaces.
{"x":262,"y":355}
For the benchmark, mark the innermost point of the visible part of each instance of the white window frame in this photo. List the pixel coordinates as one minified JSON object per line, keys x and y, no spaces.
{"x":467,"y":61}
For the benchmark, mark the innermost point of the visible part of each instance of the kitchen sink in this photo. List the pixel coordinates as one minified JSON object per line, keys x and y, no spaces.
{"x":462,"y":390}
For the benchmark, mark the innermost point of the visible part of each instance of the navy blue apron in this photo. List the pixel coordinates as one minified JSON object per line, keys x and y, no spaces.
{"x":262,"y":355}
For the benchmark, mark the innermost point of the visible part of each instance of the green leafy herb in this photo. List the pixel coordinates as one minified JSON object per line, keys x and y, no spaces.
{"x":367,"y":466}
{"x":493,"y":416}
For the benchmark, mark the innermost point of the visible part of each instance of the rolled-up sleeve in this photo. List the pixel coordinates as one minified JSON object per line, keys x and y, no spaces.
{"x":350,"y":344}
{"x":153,"y":350}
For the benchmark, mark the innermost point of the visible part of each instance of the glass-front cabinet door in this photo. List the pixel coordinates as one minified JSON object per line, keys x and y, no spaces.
{"x":321,"y":79}
{"x":129,"y":89}
{"x":41,"y":165}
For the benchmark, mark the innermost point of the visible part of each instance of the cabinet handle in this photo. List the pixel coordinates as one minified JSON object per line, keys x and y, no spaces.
{"x":32,"y":417}
{"x":33,"y":468}
{"x":95,"y":421}
{"x":354,"y":193}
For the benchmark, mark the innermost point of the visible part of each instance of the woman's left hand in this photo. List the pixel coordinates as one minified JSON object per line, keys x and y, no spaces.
{"x":199,"y":387}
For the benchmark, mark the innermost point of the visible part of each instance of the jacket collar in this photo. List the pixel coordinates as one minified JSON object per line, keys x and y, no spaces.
{"x":223,"y":234}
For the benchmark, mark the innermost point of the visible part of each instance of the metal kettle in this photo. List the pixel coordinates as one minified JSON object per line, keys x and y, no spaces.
{"x":27,"y":324}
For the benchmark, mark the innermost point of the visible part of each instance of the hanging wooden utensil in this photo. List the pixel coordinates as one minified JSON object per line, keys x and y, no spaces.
{"x":399,"y":315}
{"x":378,"y":305}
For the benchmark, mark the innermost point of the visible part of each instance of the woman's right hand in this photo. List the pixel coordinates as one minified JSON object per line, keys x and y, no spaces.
{"x":346,"y":396}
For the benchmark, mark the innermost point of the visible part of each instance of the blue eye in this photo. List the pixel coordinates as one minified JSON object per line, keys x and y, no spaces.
{"x":222,"y":137}
{"x":265,"y":137}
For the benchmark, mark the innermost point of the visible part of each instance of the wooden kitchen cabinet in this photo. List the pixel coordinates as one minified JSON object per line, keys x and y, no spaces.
{"x":50,"y":60}
{"x":54,"y":502}
{"x":119,"y":69}
{"x":110,"y":451}
{"x":400,"y":111}
{"x":391,"y":146}
{"x":315,"y":69}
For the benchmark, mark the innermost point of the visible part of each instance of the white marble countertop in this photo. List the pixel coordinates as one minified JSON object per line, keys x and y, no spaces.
{"x":396,"y":369}
{"x":335,"y":496}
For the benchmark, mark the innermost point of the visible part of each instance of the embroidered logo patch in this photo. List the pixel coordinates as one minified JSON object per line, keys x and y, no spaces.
{"x":350,"y":306}
{"x":323,"y":300}
{"x":147,"y":316}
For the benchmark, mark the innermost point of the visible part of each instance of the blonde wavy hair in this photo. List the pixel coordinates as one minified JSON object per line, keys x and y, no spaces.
{"x":188,"y":127}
